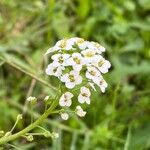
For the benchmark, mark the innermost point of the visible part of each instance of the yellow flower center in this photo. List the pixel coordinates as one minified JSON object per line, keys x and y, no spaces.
{"x":101,"y":82}
{"x":54,"y":70}
{"x":84,"y":94}
{"x":101,"y":62}
{"x":63,"y":44}
{"x":89,"y":54}
{"x":93,"y":73}
{"x":80,"y":40}
{"x":65,"y":98}
{"x":96,"y":44}
{"x":61,"y":60}
{"x":71,"y":77}
{"x":77,"y":60}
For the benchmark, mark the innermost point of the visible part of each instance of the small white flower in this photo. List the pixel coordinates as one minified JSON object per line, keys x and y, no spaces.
{"x":80,"y":112}
{"x":97,"y":47}
{"x":64,"y":116}
{"x":55,"y":70}
{"x":84,"y":96}
{"x":82,"y":44}
{"x":65,"y":99}
{"x":79,"y":42}
{"x":71,"y":79}
{"x":102,"y":64}
{"x":76,"y":61}
{"x":61,"y":45}
{"x":101,"y":83}
{"x":89,"y":55}
{"x":60,"y":59}
{"x":92,"y":73}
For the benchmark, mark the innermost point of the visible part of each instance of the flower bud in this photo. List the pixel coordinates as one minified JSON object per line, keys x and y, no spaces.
{"x":8,"y":134}
{"x":47,"y":134}
{"x":19,"y":117}
{"x":32,"y":100}
{"x":47,"y":100}
{"x":55,"y":135}
{"x":30,"y":138}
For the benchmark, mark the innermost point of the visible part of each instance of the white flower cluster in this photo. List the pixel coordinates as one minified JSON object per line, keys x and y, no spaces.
{"x":78,"y":62}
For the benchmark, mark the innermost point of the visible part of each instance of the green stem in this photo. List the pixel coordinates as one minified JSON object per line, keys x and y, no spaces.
{"x":6,"y":139}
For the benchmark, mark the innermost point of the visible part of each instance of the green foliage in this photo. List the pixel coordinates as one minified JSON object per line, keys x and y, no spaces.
{"x":116,"y":120}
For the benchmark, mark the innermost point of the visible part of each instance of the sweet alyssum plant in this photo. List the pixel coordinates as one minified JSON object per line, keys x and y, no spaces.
{"x":79,"y":66}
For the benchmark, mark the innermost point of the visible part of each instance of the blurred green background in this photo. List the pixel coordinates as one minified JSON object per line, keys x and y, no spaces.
{"x":116,"y":120}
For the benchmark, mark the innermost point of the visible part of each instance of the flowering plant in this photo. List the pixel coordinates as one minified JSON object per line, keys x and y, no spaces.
{"x":79,"y":64}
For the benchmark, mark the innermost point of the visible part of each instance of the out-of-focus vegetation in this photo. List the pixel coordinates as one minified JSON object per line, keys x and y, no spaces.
{"x":116,"y":120}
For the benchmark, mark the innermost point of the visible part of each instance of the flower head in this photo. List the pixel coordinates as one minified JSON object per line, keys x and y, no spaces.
{"x":80,"y":65}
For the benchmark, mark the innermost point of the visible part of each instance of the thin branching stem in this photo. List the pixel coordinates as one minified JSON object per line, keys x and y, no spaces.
{"x":12,"y":137}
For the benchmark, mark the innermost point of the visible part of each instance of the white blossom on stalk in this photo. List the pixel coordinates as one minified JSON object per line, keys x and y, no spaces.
{"x":80,"y":42}
{"x":84,"y":96}
{"x":65,"y":99}
{"x":80,"y":112}
{"x":97,"y":47}
{"x":76,"y":61}
{"x":71,"y":79}
{"x":102,"y":64}
{"x":60,"y":45}
{"x":101,"y":83}
{"x":89,"y":55}
{"x":55,"y":70}
{"x":64,"y":116}
{"x":60,"y":59}
{"x":92,"y":73}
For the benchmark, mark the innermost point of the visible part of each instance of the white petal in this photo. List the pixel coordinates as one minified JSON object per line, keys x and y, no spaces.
{"x":56,"y":56}
{"x":88,"y":75}
{"x":76,"y":55}
{"x":65,"y":56}
{"x":102,"y":49}
{"x":68,"y":102}
{"x":92,"y":86}
{"x":64,"y":78}
{"x":81,"y":99}
{"x":87,"y":100}
{"x":62,"y":102}
{"x":86,"y":90}
{"x":70,"y":62}
{"x":78,"y":80}
{"x":48,"y":71}
{"x":50,"y":50}
{"x":77,"y":67}
{"x":69,"y":95}
{"x":70,"y":85}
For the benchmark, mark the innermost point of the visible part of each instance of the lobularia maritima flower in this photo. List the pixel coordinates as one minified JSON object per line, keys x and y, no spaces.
{"x":79,"y":64}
